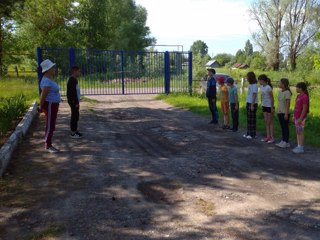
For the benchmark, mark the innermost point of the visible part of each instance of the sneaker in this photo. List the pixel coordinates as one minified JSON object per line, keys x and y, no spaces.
{"x":265,"y":139}
{"x":80,"y":134}
{"x":76,"y":135}
{"x":248,"y":137}
{"x":271,"y":140}
{"x":287,"y":144}
{"x":298,"y":149}
{"x":280,"y":144}
{"x":52,"y":149}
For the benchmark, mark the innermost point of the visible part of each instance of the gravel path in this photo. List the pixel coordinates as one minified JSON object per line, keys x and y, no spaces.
{"x":146,"y":170}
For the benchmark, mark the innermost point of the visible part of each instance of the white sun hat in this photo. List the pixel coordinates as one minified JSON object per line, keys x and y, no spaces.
{"x":46,"y":65}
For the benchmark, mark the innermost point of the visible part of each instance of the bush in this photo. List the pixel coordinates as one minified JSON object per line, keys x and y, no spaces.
{"x":10,"y":110}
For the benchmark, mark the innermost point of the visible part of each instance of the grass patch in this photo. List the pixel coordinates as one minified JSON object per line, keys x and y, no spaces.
{"x":198,"y":104}
{"x":205,"y":207}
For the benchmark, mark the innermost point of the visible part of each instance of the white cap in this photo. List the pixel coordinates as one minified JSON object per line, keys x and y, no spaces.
{"x":46,"y":65}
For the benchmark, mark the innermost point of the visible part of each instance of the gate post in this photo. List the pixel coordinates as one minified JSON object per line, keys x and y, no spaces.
{"x":167,"y":72}
{"x":190,"y":72}
{"x":39,"y":70}
{"x":122,"y":71}
{"x":72,"y":58}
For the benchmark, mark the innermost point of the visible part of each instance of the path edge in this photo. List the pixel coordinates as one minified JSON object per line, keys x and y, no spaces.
{"x":20,"y":131}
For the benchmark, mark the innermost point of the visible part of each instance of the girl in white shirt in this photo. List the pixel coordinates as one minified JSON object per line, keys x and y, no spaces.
{"x":267,"y":101}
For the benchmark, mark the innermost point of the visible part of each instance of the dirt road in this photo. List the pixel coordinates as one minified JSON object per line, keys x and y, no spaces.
{"x":146,"y":170}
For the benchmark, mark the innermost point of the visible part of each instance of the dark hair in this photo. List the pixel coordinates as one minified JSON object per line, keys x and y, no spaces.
{"x":303,"y":86}
{"x":211,"y":70}
{"x":251,"y":76}
{"x":285,"y":82}
{"x":74,"y":68}
{"x":264,"y":77}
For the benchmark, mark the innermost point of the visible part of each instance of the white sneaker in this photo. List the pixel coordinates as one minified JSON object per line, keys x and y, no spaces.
{"x":249,"y":137}
{"x":266,"y":139}
{"x":52,"y":150}
{"x":287,"y":144}
{"x":298,"y":149}
{"x":280,"y":144}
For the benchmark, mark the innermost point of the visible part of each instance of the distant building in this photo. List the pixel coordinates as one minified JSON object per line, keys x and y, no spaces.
{"x":213,"y":64}
{"x":240,"y":66}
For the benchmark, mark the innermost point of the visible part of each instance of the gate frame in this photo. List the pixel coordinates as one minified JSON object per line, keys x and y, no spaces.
{"x":72,"y":62}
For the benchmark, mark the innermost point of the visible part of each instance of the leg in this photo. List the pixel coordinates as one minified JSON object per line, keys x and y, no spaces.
{"x":286,"y":129}
{"x":74,"y":118}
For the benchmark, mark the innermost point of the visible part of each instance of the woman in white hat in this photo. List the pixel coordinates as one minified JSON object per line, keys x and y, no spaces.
{"x":49,"y":101}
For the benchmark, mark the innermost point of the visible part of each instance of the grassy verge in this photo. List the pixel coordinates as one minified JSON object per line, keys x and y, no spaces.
{"x":16,"y":95}
{"x":198,"y":104}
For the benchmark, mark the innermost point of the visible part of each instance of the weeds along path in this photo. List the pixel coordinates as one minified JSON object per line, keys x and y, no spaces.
{"x":146,"y":170}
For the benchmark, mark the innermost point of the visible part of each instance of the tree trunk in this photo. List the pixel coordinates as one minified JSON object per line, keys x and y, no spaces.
{"x":293,"y":61}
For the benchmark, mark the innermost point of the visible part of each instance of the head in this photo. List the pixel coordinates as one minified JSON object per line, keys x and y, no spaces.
{"x":301,"y":87}
{"x":220,"y":80}
{"x":211,"y":71}
{"x":75,"y":71}
{"x":251,"y":77}
{"x":230,"y":81}
{"x":48,"y":68}
{"x":284,"y":84}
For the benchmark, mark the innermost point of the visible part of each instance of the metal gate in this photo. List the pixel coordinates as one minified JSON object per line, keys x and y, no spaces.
{"x":106,"y":72}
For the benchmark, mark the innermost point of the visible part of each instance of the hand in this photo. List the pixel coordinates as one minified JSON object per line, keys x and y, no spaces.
{"x":286,"y":117}
{"x":77,"y":105}
{"x":252,"y":107}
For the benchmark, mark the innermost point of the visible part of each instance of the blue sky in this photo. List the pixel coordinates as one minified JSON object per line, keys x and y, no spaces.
{"x":224,"y":25}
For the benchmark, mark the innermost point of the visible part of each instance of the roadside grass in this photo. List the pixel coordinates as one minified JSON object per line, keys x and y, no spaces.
{"x":198,"y":104}
{"x":16,"y":94}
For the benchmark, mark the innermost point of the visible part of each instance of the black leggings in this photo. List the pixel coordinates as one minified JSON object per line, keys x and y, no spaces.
{"x":284,"y":126}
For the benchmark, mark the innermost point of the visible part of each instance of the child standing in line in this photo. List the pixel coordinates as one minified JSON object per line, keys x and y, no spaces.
{"x":252,"y":105}
{"x":73,"y":95}
{"x":211,"y":94}
{"x":234,"y":104}
{"x":267,"y":101}
{"x":300,"y":113}
{"x":224,"y":99}
{"x":284,"y":111}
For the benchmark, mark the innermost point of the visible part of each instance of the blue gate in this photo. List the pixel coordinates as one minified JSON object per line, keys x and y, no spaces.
{"x":106,"y":72}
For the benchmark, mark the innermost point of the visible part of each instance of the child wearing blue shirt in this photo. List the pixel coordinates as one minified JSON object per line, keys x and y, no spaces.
{"x":234,"y":104}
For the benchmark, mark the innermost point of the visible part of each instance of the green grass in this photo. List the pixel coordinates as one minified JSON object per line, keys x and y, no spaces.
{"x":16,"y":94}
{"x":198,"y":104}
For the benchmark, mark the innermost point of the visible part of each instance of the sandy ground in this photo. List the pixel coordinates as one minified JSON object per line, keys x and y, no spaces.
{"x":147,"y":170}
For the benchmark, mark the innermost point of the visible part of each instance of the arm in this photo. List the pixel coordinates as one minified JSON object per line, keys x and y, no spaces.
{"x":43,"y":96}
{"x":272,"y":100}
{"x":236,"y":100}
{"x":303,"y":113}
{"x":254,"y":97}
{"x":286,"y":114}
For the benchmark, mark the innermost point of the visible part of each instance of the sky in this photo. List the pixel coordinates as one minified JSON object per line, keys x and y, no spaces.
{"x":224,"y":25}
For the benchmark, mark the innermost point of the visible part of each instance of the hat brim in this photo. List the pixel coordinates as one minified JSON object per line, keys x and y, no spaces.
{"x":48,"y":68}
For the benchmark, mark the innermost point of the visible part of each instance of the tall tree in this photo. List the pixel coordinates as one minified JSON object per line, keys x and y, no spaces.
{"x":6,"y":9}
{"x":302,"y":22}
{"x":269,"y":14}
{"x":199,"y":47}
{"x":115,"y":24}
{"x":248,"y":49}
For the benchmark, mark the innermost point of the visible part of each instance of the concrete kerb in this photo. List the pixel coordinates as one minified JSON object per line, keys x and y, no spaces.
{"x":20,"y":131}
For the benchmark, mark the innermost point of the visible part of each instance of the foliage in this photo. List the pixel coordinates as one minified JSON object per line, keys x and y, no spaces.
{"x":199,"y":70}
{"x":223,"y":58}
{"x":199,"y":48}
{"x":285,"y":26}
{"x":10,"y":110}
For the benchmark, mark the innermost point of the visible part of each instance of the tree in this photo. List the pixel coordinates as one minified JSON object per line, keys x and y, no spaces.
{"x":6,"y":9}
{"x":240,"y":56}
{"x":301,"y":24}
{"x":269,"y":14}
{"x":223,"y":58}
{"x":199,"y":47}
{"x":258,"y":61}
{"x":115,"y":24}
{"x":248,"y":49}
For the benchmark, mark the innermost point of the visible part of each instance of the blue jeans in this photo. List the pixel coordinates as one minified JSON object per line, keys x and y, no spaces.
{"x":212,"y":102}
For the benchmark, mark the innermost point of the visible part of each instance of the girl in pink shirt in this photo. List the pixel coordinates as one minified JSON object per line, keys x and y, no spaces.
{"x":300,"y":113}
